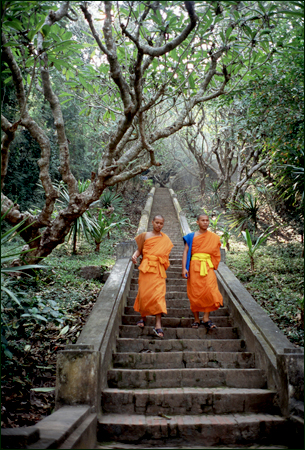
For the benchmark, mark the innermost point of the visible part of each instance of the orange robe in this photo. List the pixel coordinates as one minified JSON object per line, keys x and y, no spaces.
{"x":150,"y":299}
{"x":203,"y":291}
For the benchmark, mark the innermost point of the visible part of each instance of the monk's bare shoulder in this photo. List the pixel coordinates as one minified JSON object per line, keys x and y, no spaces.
{"x":148,"y":235}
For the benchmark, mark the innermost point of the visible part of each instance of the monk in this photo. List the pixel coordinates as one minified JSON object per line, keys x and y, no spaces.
{"x":201,"y":257}
{"x":155,"y":248}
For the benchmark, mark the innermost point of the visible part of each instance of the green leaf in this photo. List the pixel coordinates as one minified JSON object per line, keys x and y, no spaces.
{"x":68,"y":35}
{"x":64,"y":330}
{"x":83,"y":111}
{"x":45,"y":30}
{"x":155,"y":63}
{"x":31,"y":34}
{"x":291,"y":13}
{"x":43,"y":389}
{"x":29,"y":63}
{"x":65,"y":101}
{"x":191,"y":81}
{"x":16,"y":25}
{"x":28,"y":79}
{"x":173,"y":54}
{"x":228,"y":32}
{"x":106,"y":115}
{"x":10,"y":294}
{"x":206,"y":25}
{"x":7,"y":80}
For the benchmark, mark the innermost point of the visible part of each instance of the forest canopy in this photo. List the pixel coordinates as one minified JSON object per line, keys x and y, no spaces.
{"x":106,"y":90}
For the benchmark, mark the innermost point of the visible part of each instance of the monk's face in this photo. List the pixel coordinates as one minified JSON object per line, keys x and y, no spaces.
{"x":158,"y":223}
{"x":203,"y":222}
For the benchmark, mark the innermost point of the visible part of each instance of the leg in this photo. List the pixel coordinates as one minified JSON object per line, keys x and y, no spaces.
{"x":196,"y":322}
{"x":206,"y":316}
{"x":207,"y":322}
{"x":158,"y":330}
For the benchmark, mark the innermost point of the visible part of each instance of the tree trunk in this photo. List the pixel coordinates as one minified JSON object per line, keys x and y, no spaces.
{"x":97,"y":246}
{"x":252,"y":263}
{"x":74,"y":237}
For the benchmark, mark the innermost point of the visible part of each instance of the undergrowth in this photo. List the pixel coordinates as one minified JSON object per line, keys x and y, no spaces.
{"x":276,"y":284}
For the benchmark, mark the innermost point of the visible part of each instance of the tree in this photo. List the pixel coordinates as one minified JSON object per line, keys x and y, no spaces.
{"x":258,"y":127}
{"x":149,"y":56}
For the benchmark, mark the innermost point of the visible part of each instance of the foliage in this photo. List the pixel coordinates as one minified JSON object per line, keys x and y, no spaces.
{"x":23,"y":172}
{"x":213,"y":190}
{"x":84,"y":224}
{"x":128,"y":99}
{"x":225,"y":237}
{"x":8,"y":255}
{"x":110,"y":199}
{"x":243,"y":211}
{"x":15,"y":305}
{"x":275,"y":285}
{"x":258,"y":242}
{"x":103,"y":225}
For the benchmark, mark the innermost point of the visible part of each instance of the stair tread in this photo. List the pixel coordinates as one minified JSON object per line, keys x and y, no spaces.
{"x":141,"y":419}
{"x":188,"y":369}
{"x":190,"y":390}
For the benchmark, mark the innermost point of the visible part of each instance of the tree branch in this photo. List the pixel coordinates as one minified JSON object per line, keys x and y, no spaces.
{"x":159,"y":51}
{"x":8,"y":137}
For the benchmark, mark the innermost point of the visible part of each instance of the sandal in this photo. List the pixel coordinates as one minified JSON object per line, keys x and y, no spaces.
{"x":141,"y":323}
{"x":195,"y":325}
{"x":209,"y":324}
{"x":159,"y":332}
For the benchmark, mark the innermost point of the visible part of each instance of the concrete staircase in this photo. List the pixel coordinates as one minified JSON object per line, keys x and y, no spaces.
{"x":195,"y":386}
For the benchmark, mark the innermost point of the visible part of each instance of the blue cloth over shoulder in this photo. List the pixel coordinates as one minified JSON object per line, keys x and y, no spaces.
{"x":188,"y":239}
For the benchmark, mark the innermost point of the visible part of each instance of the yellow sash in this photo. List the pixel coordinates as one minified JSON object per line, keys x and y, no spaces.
{"x":203,"y":257}
{"x":150,"y":263}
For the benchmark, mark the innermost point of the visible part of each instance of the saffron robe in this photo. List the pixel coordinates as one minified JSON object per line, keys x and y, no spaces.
{"x":202,"y":290}
{"x":150,"y":299}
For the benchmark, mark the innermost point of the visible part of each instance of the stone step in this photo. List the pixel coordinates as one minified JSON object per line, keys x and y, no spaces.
{"x":169,"y":378}
{"x":175,"y":322}
{"x":179,"y":345}
{"x":187,"y":400}
{"x":171,"y":269}
{"x":180,"y":312}
{"x":131,"y":331}
{"x":185,"y":359}
{"x":170,"y":285}
{"x":175,"y":262}
{"x":172,"y":295}
{"x":206,"y":430}
{"x":170,"y":282}
{"x":170,"y":303}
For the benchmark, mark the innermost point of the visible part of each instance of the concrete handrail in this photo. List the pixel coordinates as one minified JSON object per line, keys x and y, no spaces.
{"x":185,"y":229}
{"x":143,"y":224}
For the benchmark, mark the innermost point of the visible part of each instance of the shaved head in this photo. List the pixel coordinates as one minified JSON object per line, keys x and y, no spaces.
{"x":202,"y":215}
{"x":158,"y":216}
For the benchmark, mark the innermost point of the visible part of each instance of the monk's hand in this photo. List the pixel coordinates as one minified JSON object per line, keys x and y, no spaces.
{"x":184,"y":273}
{"x":134,"y":258}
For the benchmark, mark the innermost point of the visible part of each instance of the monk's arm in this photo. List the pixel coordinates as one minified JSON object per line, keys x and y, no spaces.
{"x":135,"y":256}
{"x":184,"y":258}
